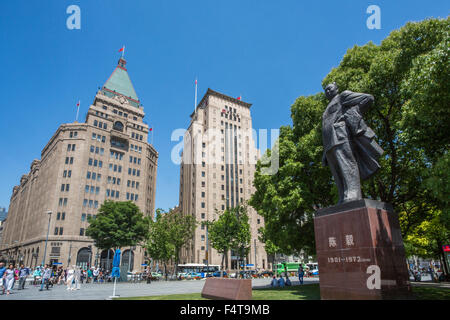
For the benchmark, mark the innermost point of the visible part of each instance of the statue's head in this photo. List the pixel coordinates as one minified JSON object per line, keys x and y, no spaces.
{"x":331,"y":90}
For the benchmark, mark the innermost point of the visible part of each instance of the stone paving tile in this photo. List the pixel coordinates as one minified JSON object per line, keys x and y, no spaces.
{"x":104,"y":291}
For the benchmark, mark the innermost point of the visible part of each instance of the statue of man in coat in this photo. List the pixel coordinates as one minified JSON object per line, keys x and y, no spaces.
{"x":349,"y":148}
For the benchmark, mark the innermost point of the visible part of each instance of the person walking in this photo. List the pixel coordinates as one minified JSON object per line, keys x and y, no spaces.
{"x":70,"y":277}
{"x":89,"y":275}
{"x":8,"y":278}
{"x":46,"y":275}
{"x":301,"y":273}
{"x":77,"y":278}
{"x":23,"y":274}
{"x":95,"y":273}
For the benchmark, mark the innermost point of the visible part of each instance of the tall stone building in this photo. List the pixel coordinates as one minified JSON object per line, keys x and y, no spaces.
{"x":105,"y":158}
{"x":217,"y":170}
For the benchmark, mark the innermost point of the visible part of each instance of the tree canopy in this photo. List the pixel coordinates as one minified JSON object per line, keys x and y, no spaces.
{"x":408,"y":74}
{"x":118,"y":224}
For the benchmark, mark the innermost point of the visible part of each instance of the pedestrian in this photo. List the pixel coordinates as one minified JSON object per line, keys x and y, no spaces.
{"x":281,"y":282}
{"x":89,"y":275}
{"x":70,"y":277}
{"x":36,"y":275}
{"x":77,"y":278}
{"x":274,"y":282}
{"x":46,"y":275}
{"x":8,"y":278}
{"x":301,"y":273}
{"x":2,"y":272}
{"x":23,"y":274}
{"x":95,"y":273}
{"x":288,"y":281}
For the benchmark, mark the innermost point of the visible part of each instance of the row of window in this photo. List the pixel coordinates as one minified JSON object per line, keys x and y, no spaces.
{"x":60,"y":216}
{"x":62,"y":202}
{"x":69,"y":160}
{"x":114,"y":180}
{"x":84,"y":216}
{"x":116,"y":155}
{"x":98,"y":137}
{"x":120,"y":113}
{"x":112,"y":193}
{"x":67,"y":173}
{"x":95,"y":162}
{"x":93,"y":176}
{"x":101,"y":114}
{"x":71,"y":147}
{"x":135,"y":148}
{"x":90,"y":203}
{"x":132,"y":196}
{"x":97,"y":150}
{"x":115,"y":167}
{"x":92,"y":189}
{"x":134,"y":172}
{"x":58,"y":231}
{"x":133,"y":184}
{"x":65,"y":187}
{"x":73,"y":134}
{"x":135,"y":160}
{"x":136,"y":136}
{"x":99,"y":124}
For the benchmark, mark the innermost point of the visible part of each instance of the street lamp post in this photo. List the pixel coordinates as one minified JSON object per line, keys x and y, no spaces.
{"x":70,"y":253}
{"x":45,"y":248}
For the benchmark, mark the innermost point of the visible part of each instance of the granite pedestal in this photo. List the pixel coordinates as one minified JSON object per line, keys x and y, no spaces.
{"x":360,"y":252}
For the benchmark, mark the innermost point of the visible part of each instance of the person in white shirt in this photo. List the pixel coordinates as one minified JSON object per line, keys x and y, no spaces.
{"x":70,"y":277}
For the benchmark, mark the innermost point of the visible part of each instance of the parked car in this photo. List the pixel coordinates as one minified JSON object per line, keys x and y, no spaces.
{"x":193,"y":275}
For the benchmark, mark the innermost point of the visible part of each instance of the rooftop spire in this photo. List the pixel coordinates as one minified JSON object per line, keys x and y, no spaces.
{"x":119,"y":83}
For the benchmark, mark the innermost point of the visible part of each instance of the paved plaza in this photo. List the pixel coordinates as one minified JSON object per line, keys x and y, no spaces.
{"x":102,"y":291}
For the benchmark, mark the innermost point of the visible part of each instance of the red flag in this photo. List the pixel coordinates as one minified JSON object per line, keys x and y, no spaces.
{"x":78,"y":104}
{"x":239,"y":98}
{"x":150,"y":129}
{"x":195,"y":81}
{"x":121,"y":49}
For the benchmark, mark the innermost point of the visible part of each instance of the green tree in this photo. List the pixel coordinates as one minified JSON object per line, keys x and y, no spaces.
{"x":408,"y":76}
{"x":230,"y":231}
{"x":181,"y":228}
{"x":158,"y":244}
{"x":118,"y":224}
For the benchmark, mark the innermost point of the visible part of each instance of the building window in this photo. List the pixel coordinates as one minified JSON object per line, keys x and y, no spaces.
{"x":83,"y":217}
{"x":81,"y":231}
{"x":203,"y":216}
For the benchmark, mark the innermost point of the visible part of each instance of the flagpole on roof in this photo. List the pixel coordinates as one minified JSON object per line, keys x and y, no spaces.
{"x":195,"y":101}
{"x":78,"y":109}
{"x":123,"y":51}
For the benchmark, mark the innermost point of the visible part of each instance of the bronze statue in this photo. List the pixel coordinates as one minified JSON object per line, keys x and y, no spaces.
{"x":349,"y":148}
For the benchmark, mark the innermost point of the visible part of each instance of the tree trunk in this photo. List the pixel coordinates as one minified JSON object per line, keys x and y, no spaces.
{"x":165,"y":270}
{"x":221,"y":265}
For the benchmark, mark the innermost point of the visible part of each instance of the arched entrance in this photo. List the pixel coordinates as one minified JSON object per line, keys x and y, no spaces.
{"x":126,"y":260}
{"x":83,"y":257}
{"x":105,"y":262}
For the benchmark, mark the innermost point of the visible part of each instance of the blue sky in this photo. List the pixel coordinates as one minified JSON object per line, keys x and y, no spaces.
{"x":270,"y":52}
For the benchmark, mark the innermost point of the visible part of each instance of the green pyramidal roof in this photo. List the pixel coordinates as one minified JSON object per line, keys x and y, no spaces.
{"x":119,"y":82}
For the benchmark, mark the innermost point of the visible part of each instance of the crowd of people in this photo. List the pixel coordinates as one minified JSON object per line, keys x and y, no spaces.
{"x":12,"y":276}
{"x":281,"y":282}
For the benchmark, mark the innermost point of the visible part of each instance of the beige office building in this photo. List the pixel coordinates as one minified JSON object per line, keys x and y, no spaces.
{"x":217,"y":169}
{"x":105,"y":158}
